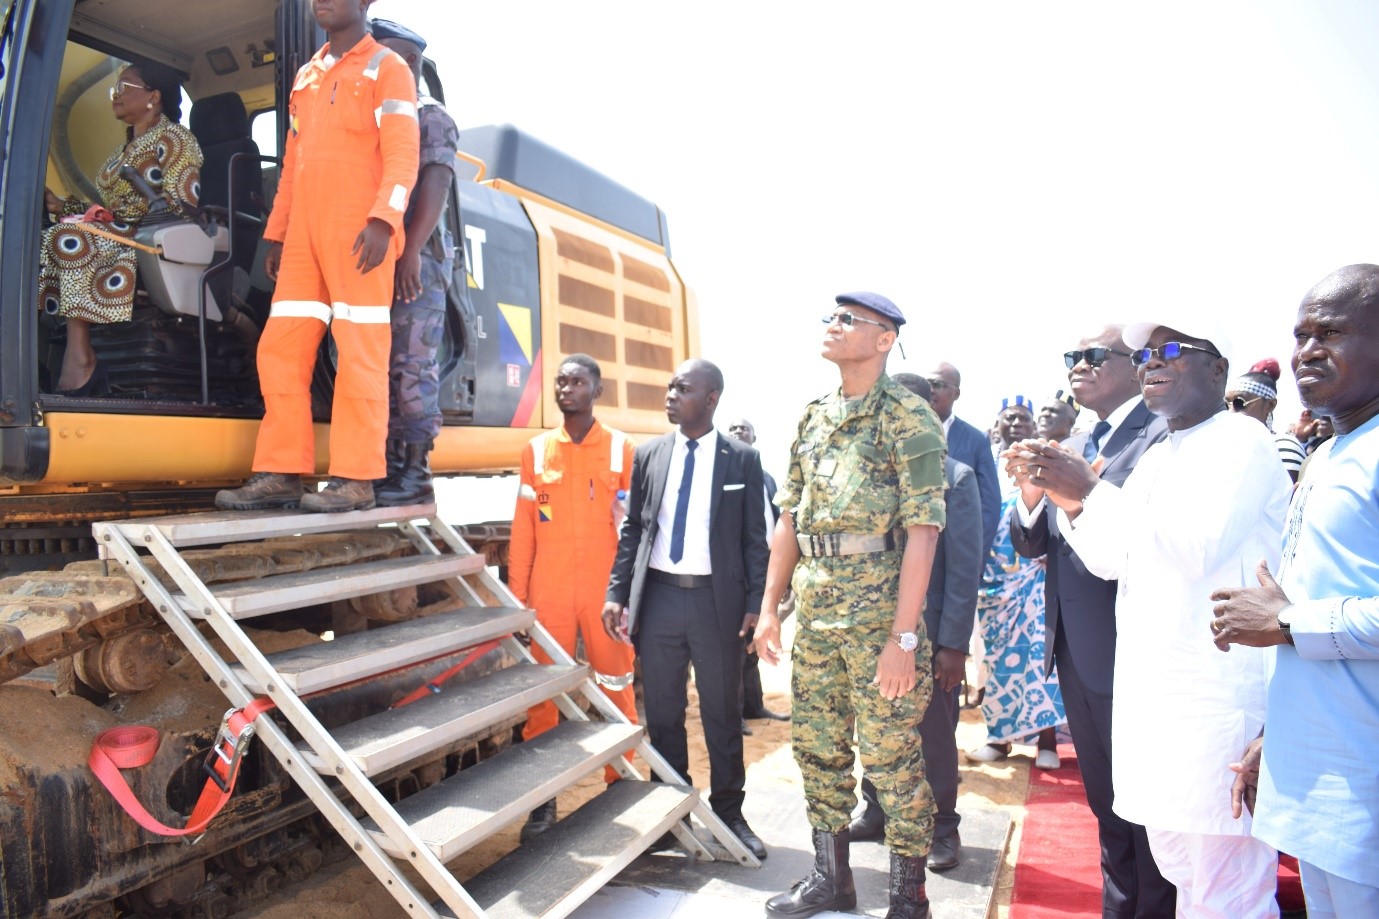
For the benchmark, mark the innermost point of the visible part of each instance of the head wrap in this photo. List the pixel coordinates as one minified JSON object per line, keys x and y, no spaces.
{"x":1017,"y":401}
{"x":1262,"y":380}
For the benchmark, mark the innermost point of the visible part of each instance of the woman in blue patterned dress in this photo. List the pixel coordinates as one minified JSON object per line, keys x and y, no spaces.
{"x":1018,"y":702}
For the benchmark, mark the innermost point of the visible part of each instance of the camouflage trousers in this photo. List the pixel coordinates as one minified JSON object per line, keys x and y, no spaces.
{"x":414,"y":414}
{"x":832,"y":672}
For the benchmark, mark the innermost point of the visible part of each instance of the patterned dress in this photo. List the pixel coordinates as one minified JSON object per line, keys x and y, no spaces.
{"x":86,"y":276}
{"x":1019,"y":701}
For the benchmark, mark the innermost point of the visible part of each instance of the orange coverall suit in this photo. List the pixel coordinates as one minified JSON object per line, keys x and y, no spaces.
{"x":561,"y":554}
{"x":352,"y":154}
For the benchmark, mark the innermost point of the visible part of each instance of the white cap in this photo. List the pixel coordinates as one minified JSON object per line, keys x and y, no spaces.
{"x":1198,"y":325}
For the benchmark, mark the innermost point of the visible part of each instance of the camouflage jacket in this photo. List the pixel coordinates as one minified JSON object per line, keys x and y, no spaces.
{"x":440,"y":140}
{"x":862,"y":467}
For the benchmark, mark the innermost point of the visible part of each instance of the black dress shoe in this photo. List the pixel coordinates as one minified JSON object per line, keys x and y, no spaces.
{"x":539,"y":821}
{"x":746,"y":729}
{"x":97,"y":384}
{"x":767,"y":714}
{"x":945,"y":852}
{"x":749,"y":839}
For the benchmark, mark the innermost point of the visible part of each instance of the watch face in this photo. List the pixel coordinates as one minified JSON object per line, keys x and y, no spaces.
{"x":908,"y":641}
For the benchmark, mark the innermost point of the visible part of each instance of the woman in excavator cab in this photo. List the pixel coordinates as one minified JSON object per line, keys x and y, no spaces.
{"x":87,"y":261}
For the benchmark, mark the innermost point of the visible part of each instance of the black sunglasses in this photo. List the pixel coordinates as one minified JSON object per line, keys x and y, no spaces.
{"x":847,"y":319}
{"x":1095,"y":357}
{"x":1240,"y":403}
{"x":1169,"y":351}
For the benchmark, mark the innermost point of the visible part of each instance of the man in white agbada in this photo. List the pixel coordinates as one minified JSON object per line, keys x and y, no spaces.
{"x":1199,"y":511}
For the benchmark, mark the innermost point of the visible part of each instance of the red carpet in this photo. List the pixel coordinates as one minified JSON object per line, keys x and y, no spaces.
{"x":1058,"y":871}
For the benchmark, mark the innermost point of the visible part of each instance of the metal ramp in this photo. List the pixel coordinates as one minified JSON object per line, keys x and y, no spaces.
{"x":407,"y":844}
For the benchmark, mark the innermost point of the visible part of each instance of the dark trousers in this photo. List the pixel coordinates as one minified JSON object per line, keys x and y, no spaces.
{"x":676,"y":627}
{"x":1132,"y":887}
{"x":752,"y":700}
{"x":940,"y":746}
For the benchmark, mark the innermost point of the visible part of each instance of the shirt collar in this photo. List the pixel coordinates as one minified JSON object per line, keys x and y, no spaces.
{"x":595,"y":430}
{"x":681,"y":439}
{"x":1117,"y":417}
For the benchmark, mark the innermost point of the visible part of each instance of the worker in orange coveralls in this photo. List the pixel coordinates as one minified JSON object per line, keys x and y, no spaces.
{"x":564,"y":538}
{"x":336,"y":228}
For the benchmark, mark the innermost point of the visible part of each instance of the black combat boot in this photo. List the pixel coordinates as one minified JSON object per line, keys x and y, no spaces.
{"x":538,"y":821}
{"x":340,"y":495}
{"x":395,"y":455}
{"x":870,"y":824}
{"x":412,"y":483}
{"x":908,"y":899}
{"x":827,"y":886}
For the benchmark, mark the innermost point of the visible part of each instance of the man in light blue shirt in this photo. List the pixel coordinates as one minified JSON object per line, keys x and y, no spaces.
{"x":1318,"y":782}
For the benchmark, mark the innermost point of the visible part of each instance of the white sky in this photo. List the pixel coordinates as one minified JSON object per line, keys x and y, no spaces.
{"x":1011,"y":174}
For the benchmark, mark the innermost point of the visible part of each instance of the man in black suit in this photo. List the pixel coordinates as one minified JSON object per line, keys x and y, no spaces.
{"x":687,"y":582}
{"x":967,"y":445}
{"x":753,"y":704}
{"x":950,"y":608}
{"x":1080,"y":621}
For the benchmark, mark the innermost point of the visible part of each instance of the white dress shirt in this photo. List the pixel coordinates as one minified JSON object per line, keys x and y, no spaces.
{"x":695,"y":559}
{"x":1198,"y":512}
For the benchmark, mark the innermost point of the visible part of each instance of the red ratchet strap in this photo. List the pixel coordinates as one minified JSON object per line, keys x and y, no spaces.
{"x":131,"y":747}
{"x":434,"y":686}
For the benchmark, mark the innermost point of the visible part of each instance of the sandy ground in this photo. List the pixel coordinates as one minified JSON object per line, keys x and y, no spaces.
{"x":346,"y":890}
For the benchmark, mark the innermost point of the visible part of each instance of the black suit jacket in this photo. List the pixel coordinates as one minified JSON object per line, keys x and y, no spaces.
{"x":737,"y":530}
{"x":951,"y":605}
{"x":968,"y":445}
{"x":1077,"y":601}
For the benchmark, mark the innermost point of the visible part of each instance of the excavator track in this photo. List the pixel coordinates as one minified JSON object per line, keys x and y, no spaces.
{"x":49,"y":616}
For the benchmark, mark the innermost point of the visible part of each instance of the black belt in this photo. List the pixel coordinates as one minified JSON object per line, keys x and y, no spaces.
{"x":687,"y":581}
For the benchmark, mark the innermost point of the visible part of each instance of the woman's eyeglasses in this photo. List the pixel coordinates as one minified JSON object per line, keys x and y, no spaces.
{"x":1094,"y":357}
{"x":1240,"y":403}
{"x":1169,"y":351}
{"x":119,"y":88}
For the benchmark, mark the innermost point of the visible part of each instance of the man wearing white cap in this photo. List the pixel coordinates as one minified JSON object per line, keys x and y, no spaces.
{"x":1199,"y":511}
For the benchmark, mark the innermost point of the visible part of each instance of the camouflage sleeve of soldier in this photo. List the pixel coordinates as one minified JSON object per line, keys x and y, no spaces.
{"x":440,"y":138}
{"x":792,"y":486}
{"x":917,"y":450}
{"x":522,"y":543}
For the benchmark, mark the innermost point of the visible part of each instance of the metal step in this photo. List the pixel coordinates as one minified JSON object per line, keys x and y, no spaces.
{"x":239,"y":526}
{"x":399,"y":735}
{"x":475,"y":803}
{"x":358,"y":655}
{"x":552,"y":875}
{"x":245,"y":599}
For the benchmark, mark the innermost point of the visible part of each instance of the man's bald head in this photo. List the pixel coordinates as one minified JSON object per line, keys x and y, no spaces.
{"x":946,"y":383}
{"x":915,"y":384}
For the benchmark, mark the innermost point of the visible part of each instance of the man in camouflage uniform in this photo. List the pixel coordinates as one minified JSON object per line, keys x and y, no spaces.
{"x":861,"y":510}
{"x":422,"y":279}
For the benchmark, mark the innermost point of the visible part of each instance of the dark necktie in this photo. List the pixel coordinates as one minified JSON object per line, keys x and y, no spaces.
{"x":677,"y":529}
{"x":1094,"y":442}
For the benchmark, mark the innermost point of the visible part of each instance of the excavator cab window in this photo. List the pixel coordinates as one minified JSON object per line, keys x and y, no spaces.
{"x":201,"y":297}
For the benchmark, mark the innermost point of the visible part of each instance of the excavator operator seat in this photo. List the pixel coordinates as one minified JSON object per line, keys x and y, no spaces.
{"x":221,"y":126}
{"x":172,"y":279}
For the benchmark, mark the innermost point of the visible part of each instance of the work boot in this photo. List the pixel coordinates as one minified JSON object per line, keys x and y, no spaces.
{"x":263,"y":490}
{"x":827,"y":886}
{"x":340,"y":495}
{"x":394,"y":454}
{"x":870,"y":824}
{"x":412,"y":482}
{"x":908,"y":899}
{"x":539,"y":821}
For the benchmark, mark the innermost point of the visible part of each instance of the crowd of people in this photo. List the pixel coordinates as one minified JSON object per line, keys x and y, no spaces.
{"x":1114,"y":562}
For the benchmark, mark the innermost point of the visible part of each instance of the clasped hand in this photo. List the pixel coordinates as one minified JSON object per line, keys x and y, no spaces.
{"x":1047,"y":469}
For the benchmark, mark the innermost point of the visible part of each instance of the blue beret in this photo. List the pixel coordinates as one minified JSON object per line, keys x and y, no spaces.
{"x":874,"y":302}
{"x":383,"y":28}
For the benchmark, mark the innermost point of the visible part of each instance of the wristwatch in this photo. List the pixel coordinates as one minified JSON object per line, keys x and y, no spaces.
{"x":908,"y":641}
{"x":1284,"y":625}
